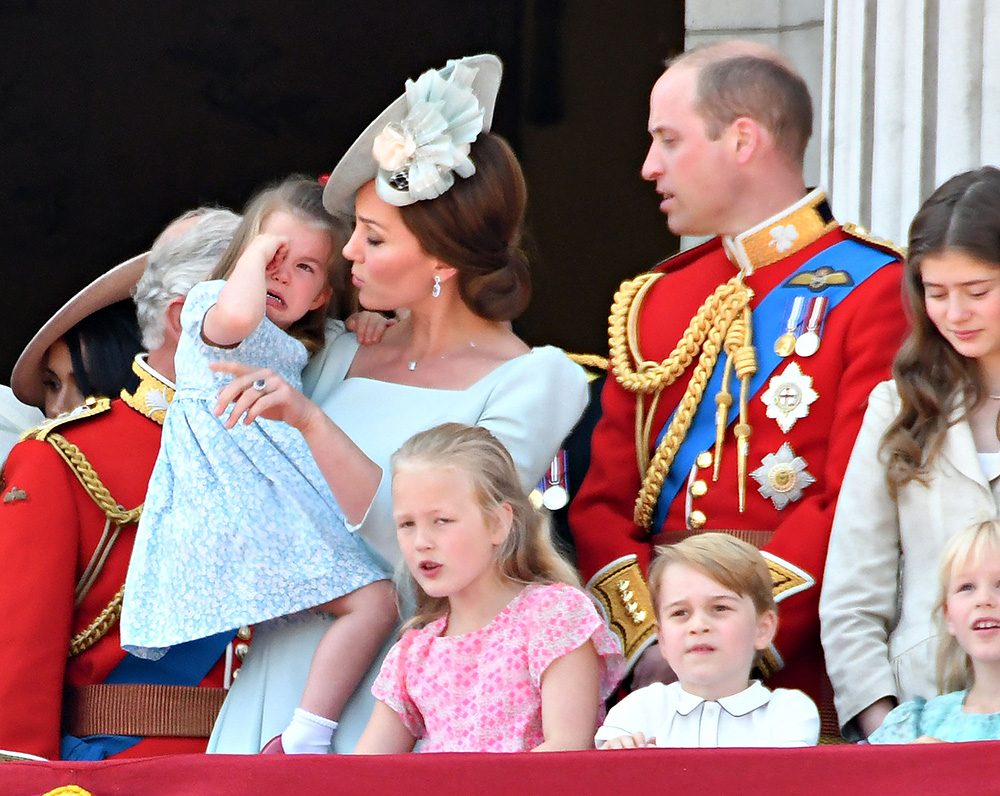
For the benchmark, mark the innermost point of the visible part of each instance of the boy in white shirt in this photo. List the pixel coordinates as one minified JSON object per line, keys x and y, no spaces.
{"x":715,"y":615}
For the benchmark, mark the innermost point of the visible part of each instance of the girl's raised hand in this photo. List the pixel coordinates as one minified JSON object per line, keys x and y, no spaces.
{"x":259,"y":392}
{"x":369,"y":327}
{"x":271,"y":249}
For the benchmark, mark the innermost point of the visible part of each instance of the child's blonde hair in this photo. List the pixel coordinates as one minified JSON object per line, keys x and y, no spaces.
{"x":301,"y":197}
{"x":954,"y":666}
{"x":527,"y":555}
{"x":728,"y":561}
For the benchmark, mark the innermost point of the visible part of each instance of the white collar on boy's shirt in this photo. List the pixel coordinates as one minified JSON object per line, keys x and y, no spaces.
{"x":746,"y":701}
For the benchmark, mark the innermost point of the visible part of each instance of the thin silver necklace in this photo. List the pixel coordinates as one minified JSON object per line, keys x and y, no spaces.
{"x":412,"y":364}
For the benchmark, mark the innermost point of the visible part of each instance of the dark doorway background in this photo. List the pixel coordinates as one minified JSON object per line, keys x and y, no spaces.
{"x":116,"y":116}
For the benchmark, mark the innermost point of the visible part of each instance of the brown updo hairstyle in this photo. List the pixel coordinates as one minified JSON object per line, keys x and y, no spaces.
{"x":476,"y":227}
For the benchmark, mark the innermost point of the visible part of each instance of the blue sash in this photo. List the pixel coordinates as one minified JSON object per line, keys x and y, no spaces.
{"x":183,"y":664}
{"x":850,"y":256}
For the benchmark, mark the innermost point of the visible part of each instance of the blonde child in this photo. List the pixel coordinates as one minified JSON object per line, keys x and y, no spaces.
{"x":505,"y":653}
{"x":968,"y":670}
{"x":239,"y":525}
{"x":715,"y":615}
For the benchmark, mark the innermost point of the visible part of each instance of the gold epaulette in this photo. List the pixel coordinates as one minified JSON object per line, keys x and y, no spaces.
{"x":622,"y":594}
{"x":589,"y":361}
{"x":862,"y":234}
{"x":93,"y":406}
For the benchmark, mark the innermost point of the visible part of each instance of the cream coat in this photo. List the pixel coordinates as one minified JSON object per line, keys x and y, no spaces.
{"x":881,"y":581}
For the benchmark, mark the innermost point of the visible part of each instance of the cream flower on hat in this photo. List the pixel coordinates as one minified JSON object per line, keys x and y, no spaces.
{"x":417,"y":145}
{"x":419,"y":156}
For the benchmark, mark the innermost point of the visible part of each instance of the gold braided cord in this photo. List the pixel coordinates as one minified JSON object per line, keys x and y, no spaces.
{"x":705,"y":336}
{"x":96,"y":630}
{"x":638,"y":375}
{"x":115,"y":514}
{"x":595,"y":361}
{"x":87,"y":476}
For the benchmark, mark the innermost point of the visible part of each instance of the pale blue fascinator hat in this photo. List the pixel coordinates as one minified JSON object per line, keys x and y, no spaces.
{"x":417,"y":145}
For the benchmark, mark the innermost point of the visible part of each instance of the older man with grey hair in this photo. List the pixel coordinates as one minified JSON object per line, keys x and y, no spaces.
{"x":70,"y":496}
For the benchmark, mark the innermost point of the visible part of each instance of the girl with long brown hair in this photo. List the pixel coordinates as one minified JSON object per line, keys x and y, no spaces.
{"x":926,"y":463}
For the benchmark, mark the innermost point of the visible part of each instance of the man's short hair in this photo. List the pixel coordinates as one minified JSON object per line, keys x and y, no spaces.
{"x":741,"y":79}
{"x":183,"y":255}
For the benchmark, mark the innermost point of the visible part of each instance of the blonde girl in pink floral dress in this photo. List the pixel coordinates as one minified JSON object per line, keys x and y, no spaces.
{"x":506,"y":653}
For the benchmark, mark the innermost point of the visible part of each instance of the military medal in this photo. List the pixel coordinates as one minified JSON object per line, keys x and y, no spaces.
{"x":788,"y":396}
{"x":782,"y":477}
{"x":808,"y":342}
{"x":556,"y":493}
{"x":785,"y":344}
{"x":554,"y":486}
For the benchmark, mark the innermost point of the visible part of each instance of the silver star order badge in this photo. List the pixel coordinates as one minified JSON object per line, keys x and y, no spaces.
{"x":788,"y":396}
{"x":782,"y":477}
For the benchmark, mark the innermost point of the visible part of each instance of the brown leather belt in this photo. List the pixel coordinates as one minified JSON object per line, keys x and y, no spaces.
{"x":757,"y":538}
{"x":148,"y":710}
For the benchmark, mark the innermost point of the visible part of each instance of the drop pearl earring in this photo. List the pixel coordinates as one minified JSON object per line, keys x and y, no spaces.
{"x":436,"y":290}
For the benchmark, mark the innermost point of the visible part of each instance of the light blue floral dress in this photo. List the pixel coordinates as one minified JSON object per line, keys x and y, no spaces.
{"x":239,"y":525}
{"x":941,"y":717}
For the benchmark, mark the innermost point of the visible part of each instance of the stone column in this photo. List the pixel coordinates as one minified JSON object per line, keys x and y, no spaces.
{"x":911,"y":96}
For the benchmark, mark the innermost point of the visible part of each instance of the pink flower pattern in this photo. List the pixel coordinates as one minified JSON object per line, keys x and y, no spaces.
{"x":481,"y":691}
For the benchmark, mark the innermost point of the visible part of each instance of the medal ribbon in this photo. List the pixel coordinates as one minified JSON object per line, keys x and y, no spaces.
{"x":852,"y":257}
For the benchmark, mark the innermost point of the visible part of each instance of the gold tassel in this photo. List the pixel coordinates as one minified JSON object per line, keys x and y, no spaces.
{"x":746,"y":367}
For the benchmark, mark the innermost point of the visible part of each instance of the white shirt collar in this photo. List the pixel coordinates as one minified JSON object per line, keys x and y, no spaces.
{"x":746,"y":701}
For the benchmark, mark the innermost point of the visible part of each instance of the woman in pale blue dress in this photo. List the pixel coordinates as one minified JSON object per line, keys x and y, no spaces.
{"x":451,"y":256}
{"x":968,"y":613}
{"x":244,"y":503}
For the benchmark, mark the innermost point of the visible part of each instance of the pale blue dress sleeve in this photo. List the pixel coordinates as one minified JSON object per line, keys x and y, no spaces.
{"x":902,"y":725}
{"x":942,"y":717}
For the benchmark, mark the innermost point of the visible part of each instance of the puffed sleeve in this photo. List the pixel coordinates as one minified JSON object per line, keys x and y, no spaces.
{"x":39,"y":542}
{"x":562,"y":618}
{"x":860,"y":590}
{"x":794,"y":719}
{"x":902,"y":725}
{"x":390,"y":685}
{"x":533,"y":408}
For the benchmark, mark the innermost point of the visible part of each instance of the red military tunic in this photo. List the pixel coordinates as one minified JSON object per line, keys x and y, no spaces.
{"x":49,"y":529}
{"x":860,"y":338}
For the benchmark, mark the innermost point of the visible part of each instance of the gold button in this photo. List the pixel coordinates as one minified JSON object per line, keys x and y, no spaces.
{"x":699,"y":489}
{"x":244,"y":633}
{"x":236,"y":673}
{"x":704,"y":459}
{"x":697,"y":519}
{"x":241,"y":650}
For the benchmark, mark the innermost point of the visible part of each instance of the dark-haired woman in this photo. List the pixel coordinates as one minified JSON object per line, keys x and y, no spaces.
{"x":926,"y":463}
{"x":438,"y":203}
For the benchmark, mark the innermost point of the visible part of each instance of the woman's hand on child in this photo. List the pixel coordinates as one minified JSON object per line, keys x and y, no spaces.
{"x":368,"y":327}
{"x":634,"y":741}
{"x":259,"y":392}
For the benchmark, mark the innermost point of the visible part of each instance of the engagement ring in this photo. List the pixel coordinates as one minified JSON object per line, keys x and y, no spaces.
{"x":260,"y":384}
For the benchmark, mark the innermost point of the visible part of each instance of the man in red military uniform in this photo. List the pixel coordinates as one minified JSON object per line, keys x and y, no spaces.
{"x":739,"y":369}
{"x":70,"y":495}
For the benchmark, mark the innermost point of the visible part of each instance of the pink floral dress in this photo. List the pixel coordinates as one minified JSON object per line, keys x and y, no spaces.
{"x":481,"y":691}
